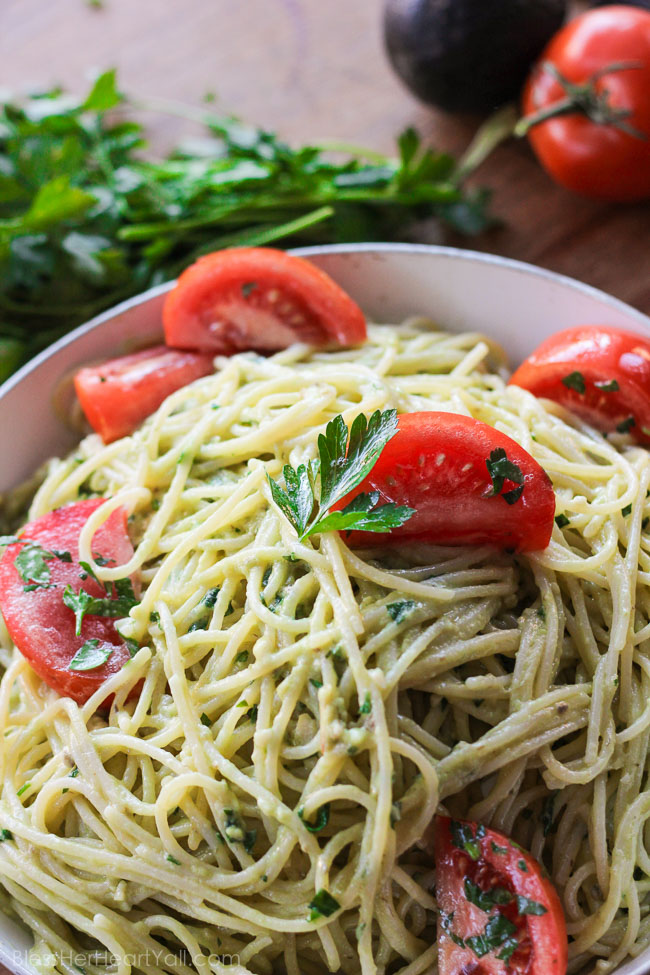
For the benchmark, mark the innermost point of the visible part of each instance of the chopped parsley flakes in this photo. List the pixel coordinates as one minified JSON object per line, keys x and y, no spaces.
{"x":463,"y":838}
{"x":322,"y":905}
{"x":576,"y":382}
{"x":501,"y":469}
{"x":321,"y":821}
{"x":400,"y":610}
{"x":626,"y":425}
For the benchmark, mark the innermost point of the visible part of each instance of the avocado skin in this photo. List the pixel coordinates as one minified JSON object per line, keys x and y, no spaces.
{"x":643,"y":4}
{"x":468,"y":55}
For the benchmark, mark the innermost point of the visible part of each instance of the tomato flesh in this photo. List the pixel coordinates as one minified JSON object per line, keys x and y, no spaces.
{"x":597,"y":160}
{"x":261,"y":299}
{"x":436,"y":464}
{"x":39,"y":623}
{"x":599,"y":373}
{"x":514,"y":912}
{"x":118,"y":395}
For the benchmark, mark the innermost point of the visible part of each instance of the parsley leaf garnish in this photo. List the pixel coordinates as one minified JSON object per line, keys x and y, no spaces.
{"x":235,"y":831}
{"x":575,"y":381}
{"x":527,"y":906}
{"x":131,"y":645}
{"x":80,"y":603}
{"x":62,"y":556}
{"x":486,"y":899}
{"x":322,"y":905}
{"x":501,"y":469}
{"x":366,"y":707}
{"x":345,"y":458}
{"x":31,"y":561}
{"x":626,"y":425}
{"x":607,"y":386}
{"x":201,"y":624}
{"x":400,"y":610}
{"x":498,"y":933}
{"x":31,"y":565}
{"x":91,"y":655}
{"x":499,"y":896}
{"x":500,"y":850}
{"x":446,"y":921}
{"x":119,"y":602}
{"x":463,"y":838}
{"x":87,"y":570}
{"x":322,"y":819}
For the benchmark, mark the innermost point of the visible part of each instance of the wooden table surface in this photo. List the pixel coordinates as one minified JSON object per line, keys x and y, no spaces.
{"x":314,"y":69}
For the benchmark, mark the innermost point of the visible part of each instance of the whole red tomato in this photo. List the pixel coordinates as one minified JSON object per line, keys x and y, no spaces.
{"x":593,"y":80}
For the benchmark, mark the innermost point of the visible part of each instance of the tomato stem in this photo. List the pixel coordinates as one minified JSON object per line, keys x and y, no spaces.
{"x":498,"y":127}
{"x":584,"y":99}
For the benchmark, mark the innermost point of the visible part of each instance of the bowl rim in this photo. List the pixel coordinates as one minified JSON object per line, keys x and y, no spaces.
{"x":439,"y":250}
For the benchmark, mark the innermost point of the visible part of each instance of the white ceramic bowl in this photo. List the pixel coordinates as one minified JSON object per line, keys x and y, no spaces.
{"x":515,"y":303}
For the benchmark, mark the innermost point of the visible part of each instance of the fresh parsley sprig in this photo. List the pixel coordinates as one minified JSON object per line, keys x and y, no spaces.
{"x":344,"y":459}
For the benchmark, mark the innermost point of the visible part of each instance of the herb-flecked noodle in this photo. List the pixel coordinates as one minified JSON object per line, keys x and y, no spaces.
{"x":305,"y":708}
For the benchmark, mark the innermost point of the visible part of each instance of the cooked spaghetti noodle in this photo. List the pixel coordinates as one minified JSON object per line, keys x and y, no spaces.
{"x":305,"y":708}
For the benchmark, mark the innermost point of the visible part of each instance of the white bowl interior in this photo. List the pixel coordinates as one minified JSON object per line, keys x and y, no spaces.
{"x":514,"y":303}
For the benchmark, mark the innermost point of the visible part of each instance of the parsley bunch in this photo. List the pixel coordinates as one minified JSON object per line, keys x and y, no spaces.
{"x":345,"y":458}
{"x":86,"y":220}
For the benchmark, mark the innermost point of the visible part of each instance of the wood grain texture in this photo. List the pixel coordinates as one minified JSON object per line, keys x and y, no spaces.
{"x":314,"y":69}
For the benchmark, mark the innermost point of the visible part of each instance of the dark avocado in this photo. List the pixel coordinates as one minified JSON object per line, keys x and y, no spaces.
{"x":643,"y":4}
{"x":468,"y":55}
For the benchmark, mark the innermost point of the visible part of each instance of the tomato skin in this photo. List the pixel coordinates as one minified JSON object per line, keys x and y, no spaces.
{"x":39,"y":623}
{"x":596,"y":160}
{"x":258,"y":298}
{"x":423,"y":467}
{"x":543,"y":937}
{"x":599,"y":354}
{"x":118,"y":395}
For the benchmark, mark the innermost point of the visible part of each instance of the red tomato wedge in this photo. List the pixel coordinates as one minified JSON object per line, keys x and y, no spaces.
{"x":118,"y":395}
{"x":498,"y":914}
{"x":439,"y":464}
{"x":258,"y":298}
{"x":39,"y":623}
{"x":600,"y":373}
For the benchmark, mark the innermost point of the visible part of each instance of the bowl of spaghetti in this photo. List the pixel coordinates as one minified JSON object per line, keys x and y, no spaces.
{"x":253,"y":790}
